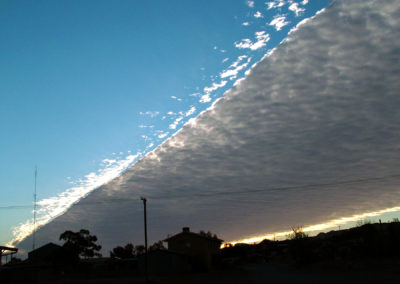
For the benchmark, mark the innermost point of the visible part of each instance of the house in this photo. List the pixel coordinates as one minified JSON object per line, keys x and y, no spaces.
{"x":164,"y":262}
{"x":201,"y":248}
{"x":50,"y":261}
{"x":52,"y":254}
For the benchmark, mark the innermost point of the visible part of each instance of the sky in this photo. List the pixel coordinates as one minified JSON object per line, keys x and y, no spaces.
{"x":96,"y":95}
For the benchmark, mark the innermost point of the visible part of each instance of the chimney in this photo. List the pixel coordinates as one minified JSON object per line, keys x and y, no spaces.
{"x":185,"y":230}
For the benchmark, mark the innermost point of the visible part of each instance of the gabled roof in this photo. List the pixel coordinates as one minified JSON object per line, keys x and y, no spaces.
{"x":51,"y":253}
{"x":188,"y":233}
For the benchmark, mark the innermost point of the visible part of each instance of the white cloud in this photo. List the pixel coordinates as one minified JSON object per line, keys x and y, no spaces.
{"x":109,"y":161}
{"x":262,"y":39}
{"x":205,"y":98}
{"x":181,"y":114}
{"x":296,"y":9}
{"x":175,"y":123}
{"x":275,"y":4}
{"x":145,"y":137}
{"x":150,"y":113}
{"x":191,"y":111}
{"x":225,"y":59}
{"x":279,"y":22}
{"x":162,"y":135}
{"x":214,"y":87}
{"x":302,"y":22}
{"x":235,"y":68}
{"x":176,"y":98}
{"x":146,"y":126}
{"x":305,"y":2}
{"x":53,"y":207}
{"x":250,"y":4}
{"x":238,"y":60}
{"x":244,"y":43}
{"x":321,"y":109}
{"x":245,"y":23}
{"x":258,"y":14}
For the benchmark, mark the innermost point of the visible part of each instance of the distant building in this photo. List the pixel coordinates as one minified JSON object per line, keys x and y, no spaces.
{"x":6,"y":251}
{"x":52,"y":254}
{"x":201,"y":248}
{"x":165,"y":262}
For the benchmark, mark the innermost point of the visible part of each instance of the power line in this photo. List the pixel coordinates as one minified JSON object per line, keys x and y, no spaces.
{"x":207,"y":194}
{"x":15,"y":207}
{"x":317,"y":185}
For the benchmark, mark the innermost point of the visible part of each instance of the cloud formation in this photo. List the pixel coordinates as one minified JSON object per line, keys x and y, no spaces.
{"x":262,"y":38}
{"x":50,"y":208}
{"x":278,"y":22}
{"x":320,"y":109}
{"x":258,"y":14}
{"x":206,"y":97}
{"x":275,"y":4}
{"x":296,"y":9}
{"x":235,"y":68}
{"x":151,"y":114}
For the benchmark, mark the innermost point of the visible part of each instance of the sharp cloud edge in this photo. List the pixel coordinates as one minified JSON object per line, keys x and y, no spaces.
{"x":53,"y":207}
{"x":323,"y":107}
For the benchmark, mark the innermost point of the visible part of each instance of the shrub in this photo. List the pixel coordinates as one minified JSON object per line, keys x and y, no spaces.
{"x":297,"y":233}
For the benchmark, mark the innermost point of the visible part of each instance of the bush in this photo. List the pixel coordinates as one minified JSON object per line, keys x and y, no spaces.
{"x":297,"y":233}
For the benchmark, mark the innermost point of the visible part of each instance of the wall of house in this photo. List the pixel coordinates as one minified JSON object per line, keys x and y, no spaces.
{"x":201,"y":249}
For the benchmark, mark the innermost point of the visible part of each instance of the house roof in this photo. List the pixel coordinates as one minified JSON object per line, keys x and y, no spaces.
{"x":186,"y":232}
{"x":51,"y":252}
{"x":3,"y":248}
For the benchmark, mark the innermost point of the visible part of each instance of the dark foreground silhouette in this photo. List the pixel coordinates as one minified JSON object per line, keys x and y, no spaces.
{"x":365,"y":254}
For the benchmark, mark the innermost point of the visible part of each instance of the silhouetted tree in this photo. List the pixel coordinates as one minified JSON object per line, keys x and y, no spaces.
{"x":81,"y":243}
{"x":208,"y":234}
{"x":123,"y":252}
{"x":140,"y":249}
{"x":297,"y":233}
{"x":157,"y":245}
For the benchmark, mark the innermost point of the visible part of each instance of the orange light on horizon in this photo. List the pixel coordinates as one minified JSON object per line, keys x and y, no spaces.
{"x":316,"y":228}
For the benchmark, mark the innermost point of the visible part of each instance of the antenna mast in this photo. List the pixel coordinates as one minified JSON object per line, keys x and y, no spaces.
{"x":34,"y":212}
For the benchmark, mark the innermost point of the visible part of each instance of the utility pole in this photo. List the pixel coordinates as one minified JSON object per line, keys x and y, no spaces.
{"x":145,"y":241}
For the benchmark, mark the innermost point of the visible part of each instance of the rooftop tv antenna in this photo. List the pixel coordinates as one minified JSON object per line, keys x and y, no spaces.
{"x":34,"y":212}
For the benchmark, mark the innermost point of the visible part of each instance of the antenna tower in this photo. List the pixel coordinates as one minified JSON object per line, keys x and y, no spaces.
{"x":34,"y":212}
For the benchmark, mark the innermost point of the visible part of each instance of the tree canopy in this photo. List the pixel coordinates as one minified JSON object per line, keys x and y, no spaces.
{"x":130,"y":251}
{"x":157,"y":246}
{"x":81,"y":243}
{"x":208,"y":234}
